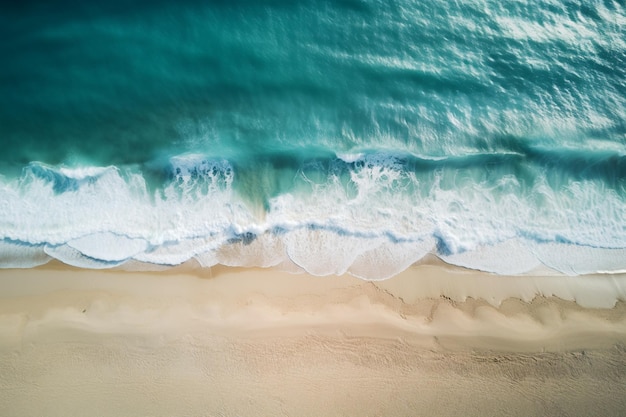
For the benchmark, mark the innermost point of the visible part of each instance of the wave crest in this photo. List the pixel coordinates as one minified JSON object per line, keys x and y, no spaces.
{"x":370,"y":215}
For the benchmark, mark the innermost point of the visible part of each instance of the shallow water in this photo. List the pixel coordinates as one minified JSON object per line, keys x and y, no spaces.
{"x":343,"y":136}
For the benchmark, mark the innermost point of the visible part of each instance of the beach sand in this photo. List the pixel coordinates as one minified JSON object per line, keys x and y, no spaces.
{"x":433,"y":341}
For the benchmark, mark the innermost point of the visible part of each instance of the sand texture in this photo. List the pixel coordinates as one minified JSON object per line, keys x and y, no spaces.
{"x":251,"y":342}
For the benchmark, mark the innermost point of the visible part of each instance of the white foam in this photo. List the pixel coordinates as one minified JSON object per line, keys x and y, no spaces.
{"x":81,"y":173}
{"x":375,"y":226}
{"x":178,"y":252}
{"x":322,"y":252}
{"x":71,"y":256}
{"x":207,"y":259}
{"x":350,"y":157}
{"x":35,"y":213}
{"x":389,"y":259}
{"x":107,"y":246}
{"x":510,"y":257}
{"x":265,"y":250}
{"x":579,"y":260}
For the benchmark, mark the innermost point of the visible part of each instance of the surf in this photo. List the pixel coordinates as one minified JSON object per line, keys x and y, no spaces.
{"x":372,"y":214}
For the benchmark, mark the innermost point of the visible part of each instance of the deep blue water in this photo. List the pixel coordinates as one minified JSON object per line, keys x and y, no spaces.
{"x":329,"y":136}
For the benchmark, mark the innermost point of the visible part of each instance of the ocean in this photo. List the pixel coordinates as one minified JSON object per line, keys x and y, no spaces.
{"x":348,"y":136}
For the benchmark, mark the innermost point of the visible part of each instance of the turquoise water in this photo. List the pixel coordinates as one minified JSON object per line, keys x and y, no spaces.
{"x":329,"y":136}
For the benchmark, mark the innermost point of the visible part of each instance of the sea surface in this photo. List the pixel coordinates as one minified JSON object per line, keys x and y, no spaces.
{"x":329,"y":136}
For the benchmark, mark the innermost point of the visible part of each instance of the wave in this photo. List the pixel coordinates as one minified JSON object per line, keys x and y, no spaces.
{"x":368,"y":213}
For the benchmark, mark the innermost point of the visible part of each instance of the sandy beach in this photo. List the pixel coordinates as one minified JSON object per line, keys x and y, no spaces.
{"x":434,"y":340}
{"x":313,"y":208}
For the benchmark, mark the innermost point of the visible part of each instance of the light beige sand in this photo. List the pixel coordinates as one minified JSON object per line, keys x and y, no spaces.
{"x":248,"y":342}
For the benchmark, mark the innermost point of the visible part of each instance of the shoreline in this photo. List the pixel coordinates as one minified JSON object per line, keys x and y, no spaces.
{"x":425,"y":302}
{"x":199,"y":341}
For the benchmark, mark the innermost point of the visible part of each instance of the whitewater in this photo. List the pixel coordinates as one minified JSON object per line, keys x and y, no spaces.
{"x":351,"y":137}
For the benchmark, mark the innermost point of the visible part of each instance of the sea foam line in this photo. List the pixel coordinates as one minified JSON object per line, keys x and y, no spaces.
{"x":106,"y":217}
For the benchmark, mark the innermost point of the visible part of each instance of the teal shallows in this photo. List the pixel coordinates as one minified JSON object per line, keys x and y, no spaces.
{"x":124,"y":84}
